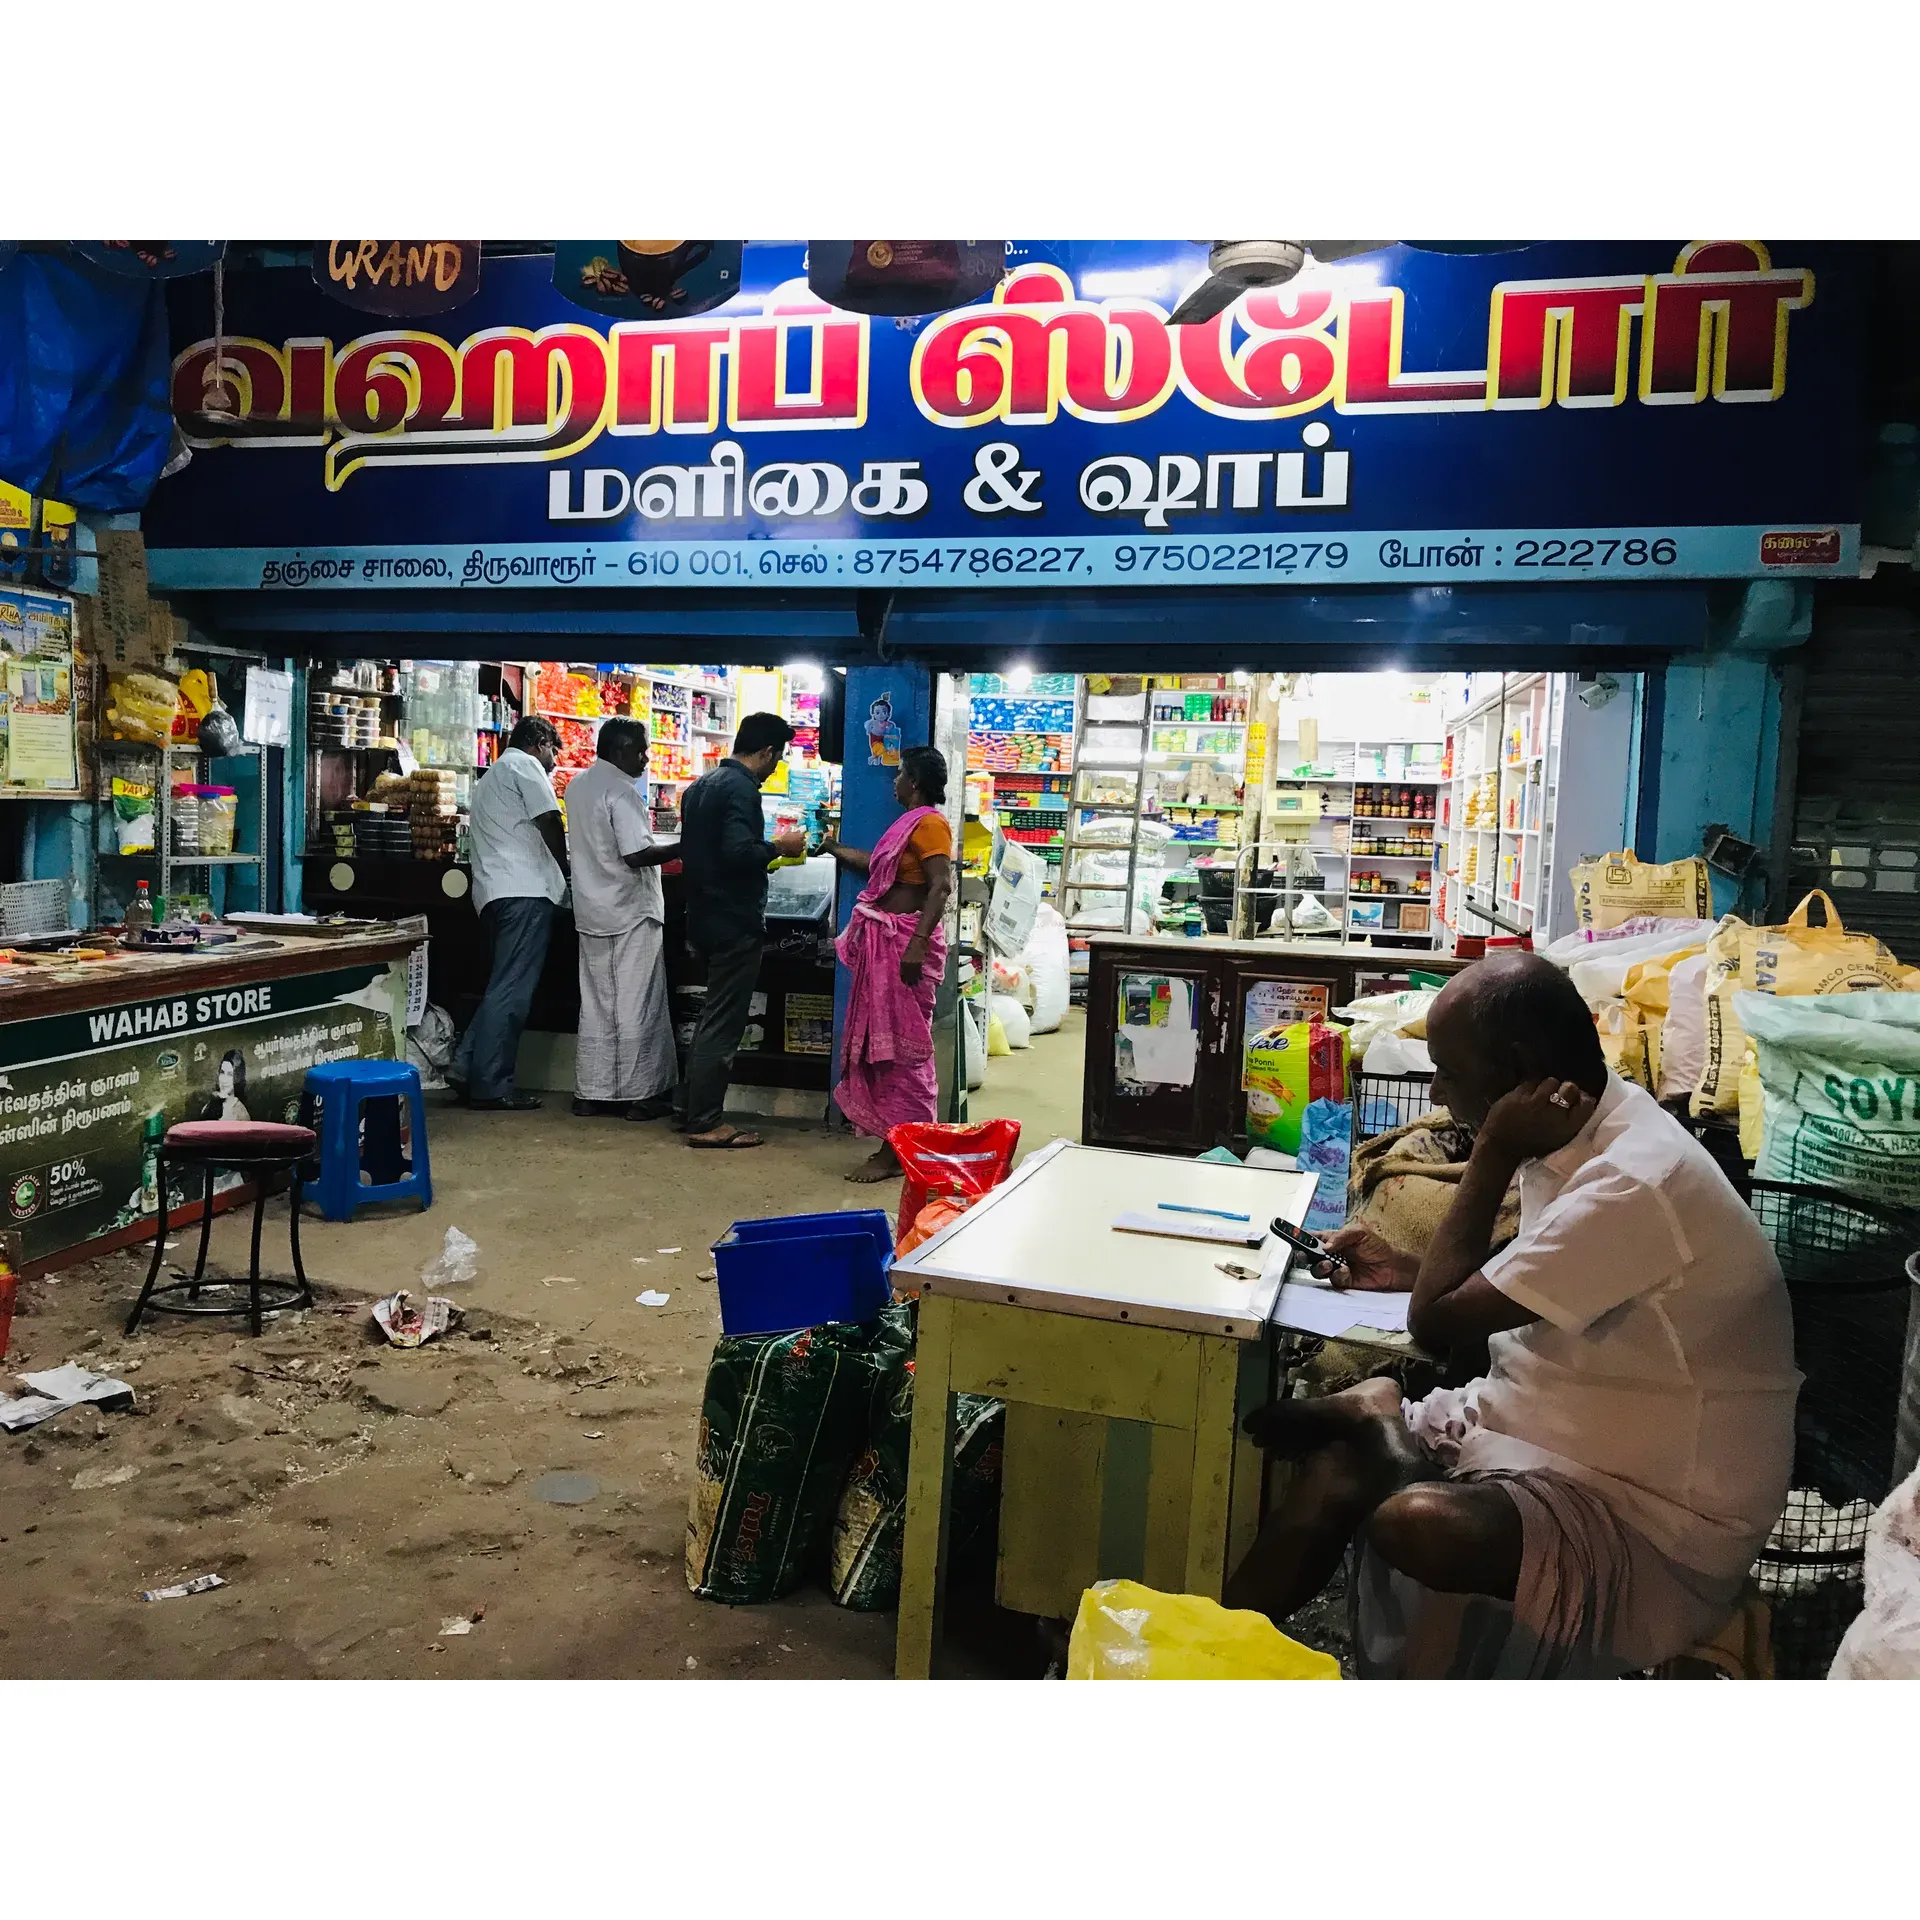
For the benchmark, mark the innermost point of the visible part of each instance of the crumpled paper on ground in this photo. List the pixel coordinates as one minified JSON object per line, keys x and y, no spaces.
{"x":58,"y":1388}
{"x":407,"y":1325}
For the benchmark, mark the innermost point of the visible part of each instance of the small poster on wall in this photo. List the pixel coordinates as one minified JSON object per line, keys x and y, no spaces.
{"x":883,"y":733}
{"x":1158,"y":1041}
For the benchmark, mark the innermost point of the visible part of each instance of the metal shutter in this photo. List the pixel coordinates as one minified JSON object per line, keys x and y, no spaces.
{"x":1855,"y":795}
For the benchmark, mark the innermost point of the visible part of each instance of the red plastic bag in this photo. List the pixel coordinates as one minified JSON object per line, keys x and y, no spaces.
{"x":949,"y":1162}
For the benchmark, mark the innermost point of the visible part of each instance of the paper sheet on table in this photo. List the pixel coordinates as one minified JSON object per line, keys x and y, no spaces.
{"x":1192,"y":1226}
{"x":1318,"y":1309}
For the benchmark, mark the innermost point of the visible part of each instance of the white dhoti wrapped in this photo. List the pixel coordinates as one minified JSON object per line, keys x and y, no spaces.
{"x":625,"y":1047}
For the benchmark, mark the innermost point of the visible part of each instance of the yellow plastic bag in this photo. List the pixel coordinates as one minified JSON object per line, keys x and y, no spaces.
{"x":1794,"y":958}
{"x":1646,"y":992}
{"x":1129,"y":1632}
{"x":1617,"y":888}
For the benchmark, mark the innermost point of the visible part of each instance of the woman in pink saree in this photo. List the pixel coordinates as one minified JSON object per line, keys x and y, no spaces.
{"x":895,"y":947}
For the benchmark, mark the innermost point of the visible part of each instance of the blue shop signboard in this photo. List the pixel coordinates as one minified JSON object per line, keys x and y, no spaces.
{"x":1623,"y":411}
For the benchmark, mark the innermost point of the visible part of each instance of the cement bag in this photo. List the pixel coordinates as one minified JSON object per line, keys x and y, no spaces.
{"x":1796,"y":958}
{"x":1623,"y":1041}
{"x":1125,"y":1631}
{"x":1683,"y":1040}
{"x":1884,"y":1641}
{"x":781,"y":1421}
{"x":1046,"y":957}
{"x":1618,"y":887}
{"x":1012,"y":1017}
{"x":1841,"y":1077}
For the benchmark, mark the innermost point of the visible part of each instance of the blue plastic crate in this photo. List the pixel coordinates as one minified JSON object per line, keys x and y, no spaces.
{"x":802,"y":1270}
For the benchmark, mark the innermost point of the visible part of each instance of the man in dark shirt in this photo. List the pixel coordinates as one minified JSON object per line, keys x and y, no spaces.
{"x":725,"y":853}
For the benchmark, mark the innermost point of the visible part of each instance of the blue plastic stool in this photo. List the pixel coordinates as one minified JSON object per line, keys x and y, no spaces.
{"x":341,"y":1089}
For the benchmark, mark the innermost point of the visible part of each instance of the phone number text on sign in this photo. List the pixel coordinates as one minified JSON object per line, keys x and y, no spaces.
{"x":1356,"y":558}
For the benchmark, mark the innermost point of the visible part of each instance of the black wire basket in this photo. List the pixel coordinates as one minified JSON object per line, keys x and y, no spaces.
{"x":1845,"y":1265}
{"x":1383,"y":1101}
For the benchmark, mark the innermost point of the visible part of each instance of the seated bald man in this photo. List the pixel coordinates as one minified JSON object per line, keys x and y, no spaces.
{"x":1592,"y":1504}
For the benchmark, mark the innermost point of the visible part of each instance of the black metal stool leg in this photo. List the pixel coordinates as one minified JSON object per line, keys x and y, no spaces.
{"x":159,"y":1250}
{"x":206,"y":1235}
{"x":293,"y":1235}
{"x":253,"y":1265}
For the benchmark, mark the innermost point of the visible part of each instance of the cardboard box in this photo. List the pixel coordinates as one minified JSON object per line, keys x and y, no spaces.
{"x":125,"y":626}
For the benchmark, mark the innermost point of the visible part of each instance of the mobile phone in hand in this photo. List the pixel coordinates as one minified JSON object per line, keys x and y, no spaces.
{"x":1309,"y":1245}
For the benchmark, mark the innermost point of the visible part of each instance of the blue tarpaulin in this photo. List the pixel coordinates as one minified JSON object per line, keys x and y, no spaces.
{"x":83,"y":382}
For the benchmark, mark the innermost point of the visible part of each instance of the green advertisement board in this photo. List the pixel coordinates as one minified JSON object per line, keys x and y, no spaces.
{"x":86,"y":1097}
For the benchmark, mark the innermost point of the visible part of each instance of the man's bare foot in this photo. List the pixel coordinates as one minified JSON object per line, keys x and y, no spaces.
{"x":1367,"y":1415}
{"x":883,"y":1164}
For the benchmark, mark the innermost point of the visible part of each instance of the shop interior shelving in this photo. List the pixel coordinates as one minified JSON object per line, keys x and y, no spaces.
{"x":1358,"y":764}
{"x":1171,"y":752}
{"x":1497,"y":808}
{"x":117,"y":874}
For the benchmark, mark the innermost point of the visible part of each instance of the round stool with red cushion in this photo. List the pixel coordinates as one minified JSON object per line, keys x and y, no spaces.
{"x":256,"y":1148}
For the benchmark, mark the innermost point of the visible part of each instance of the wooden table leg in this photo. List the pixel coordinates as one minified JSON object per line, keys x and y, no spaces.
{"x":1209,"y":1510}
{"x":923,"y":1547}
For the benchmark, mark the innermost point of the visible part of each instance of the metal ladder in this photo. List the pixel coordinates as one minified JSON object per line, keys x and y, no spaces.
{"x":1104,"y":734}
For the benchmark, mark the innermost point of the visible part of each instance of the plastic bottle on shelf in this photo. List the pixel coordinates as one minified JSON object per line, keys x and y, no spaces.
{"x":139,"y":914}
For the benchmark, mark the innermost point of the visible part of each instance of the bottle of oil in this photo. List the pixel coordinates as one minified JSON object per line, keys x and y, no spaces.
{"x":139,"y":915}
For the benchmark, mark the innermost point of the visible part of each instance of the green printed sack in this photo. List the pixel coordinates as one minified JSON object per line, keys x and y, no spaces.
{"x":1840,"y":1078}
{"x":869,"y":1523}
{"x":783,"y":1417}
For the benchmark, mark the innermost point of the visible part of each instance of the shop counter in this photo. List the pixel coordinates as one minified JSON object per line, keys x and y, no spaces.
{"x":1185,"y":1009}
{"x":100,"y":1057}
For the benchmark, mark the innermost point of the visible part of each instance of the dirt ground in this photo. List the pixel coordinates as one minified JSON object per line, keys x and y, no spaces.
{"x":355,"y":1497}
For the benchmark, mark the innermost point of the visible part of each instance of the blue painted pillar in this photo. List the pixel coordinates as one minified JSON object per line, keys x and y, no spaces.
{"x":1718,"y":757}
{"x":867,"y":806}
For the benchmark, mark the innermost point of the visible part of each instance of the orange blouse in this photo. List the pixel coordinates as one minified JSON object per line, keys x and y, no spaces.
{"x":932,"y":839}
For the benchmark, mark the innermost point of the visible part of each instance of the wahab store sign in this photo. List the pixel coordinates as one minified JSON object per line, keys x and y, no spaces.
{"x":1630,"y":411}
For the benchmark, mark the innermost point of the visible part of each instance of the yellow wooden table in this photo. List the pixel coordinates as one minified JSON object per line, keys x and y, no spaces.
{"x":1126,"y":1361}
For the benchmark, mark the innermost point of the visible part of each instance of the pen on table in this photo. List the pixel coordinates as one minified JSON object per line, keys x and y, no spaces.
{"x":1213,"y":1213}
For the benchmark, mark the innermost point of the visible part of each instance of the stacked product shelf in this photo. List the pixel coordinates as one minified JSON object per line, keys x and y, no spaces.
{"x":1024,"y":741}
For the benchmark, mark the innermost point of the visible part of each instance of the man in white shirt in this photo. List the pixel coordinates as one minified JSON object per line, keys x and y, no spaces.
{"x":624,"y":1061}
{"x":1593,"y":1502}
{"x":519,"y":877}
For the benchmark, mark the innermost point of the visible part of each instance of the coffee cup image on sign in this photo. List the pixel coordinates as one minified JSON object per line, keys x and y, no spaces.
{"x":653,"y":269}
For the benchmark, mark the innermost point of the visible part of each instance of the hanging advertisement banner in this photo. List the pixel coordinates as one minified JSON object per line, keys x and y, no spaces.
{"x":404,"y":279}
{"x":1562,"y":411}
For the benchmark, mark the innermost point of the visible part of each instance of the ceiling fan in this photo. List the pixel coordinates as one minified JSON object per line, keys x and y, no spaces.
{"x":1235,"y":266}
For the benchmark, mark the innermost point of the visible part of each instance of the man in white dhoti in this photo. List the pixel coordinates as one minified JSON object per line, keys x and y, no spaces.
{"x":624,"y":1060}
{"x":1591,"y":1504}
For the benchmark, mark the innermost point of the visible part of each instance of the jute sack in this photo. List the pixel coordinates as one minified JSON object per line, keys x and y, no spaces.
{"x":1794,"y":959}
{"x":1617,"y":887}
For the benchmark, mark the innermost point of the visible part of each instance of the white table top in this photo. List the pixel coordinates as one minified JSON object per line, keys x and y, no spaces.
{"x":1046,"y":1240}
